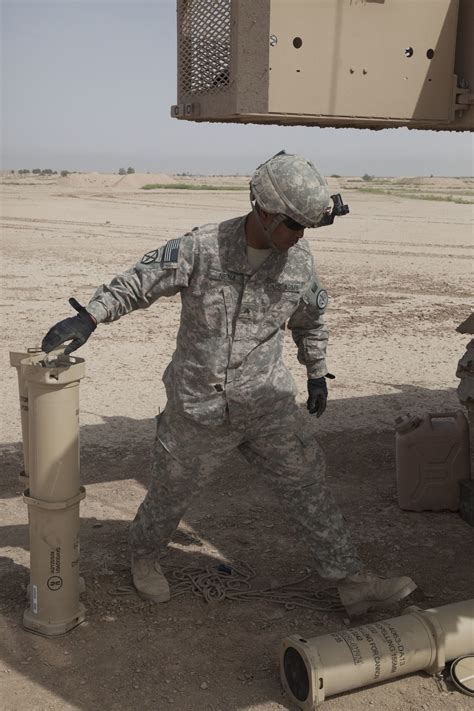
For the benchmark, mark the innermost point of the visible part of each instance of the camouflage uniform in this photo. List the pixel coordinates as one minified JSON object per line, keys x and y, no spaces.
{"x":227,"y":385}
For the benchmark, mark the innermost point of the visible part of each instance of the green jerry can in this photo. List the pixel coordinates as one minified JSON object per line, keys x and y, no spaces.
{"x":432,"y":458}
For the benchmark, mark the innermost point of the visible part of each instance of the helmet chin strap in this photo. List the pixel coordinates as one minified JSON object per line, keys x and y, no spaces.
{"x":267,"y":231}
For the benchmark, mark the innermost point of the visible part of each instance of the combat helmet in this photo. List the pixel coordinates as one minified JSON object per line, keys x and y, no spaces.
{"x":290,"y":185}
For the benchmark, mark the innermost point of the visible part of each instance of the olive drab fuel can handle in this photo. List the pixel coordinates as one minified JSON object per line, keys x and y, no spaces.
{"x":50,"y":387}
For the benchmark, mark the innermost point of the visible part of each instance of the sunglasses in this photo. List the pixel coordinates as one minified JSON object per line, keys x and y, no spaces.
{"x":292,"y":224}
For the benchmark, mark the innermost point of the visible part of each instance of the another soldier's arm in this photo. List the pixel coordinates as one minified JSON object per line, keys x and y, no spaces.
{"x":309,"y":330}
{"x":162,"y":272}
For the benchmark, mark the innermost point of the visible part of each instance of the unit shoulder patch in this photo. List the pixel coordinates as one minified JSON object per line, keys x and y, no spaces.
{"x":154,"y":256}
{"x":322,"y":299}
{"x":316,"y":296}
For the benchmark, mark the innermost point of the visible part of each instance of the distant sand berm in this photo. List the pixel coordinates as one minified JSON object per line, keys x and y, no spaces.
{"x":104,"y":180}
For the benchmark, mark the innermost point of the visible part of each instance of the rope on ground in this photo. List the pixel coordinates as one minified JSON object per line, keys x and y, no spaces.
{"x":233,"y":582}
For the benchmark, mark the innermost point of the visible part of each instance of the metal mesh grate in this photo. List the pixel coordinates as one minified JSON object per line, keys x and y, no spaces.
{"x":204,"y":46}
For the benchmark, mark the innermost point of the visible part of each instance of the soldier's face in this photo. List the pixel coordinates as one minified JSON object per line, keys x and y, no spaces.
{"x":284,"y":238}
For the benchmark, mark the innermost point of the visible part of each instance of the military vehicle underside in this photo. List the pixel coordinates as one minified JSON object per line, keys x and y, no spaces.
{"x":343,"y":63}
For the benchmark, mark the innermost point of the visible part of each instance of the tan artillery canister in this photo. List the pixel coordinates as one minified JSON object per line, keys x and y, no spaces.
{"x":313,"y":669}
{"x":54,"y":493}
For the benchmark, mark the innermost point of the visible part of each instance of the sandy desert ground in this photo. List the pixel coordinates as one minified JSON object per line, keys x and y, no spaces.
{"x":399,"y":273}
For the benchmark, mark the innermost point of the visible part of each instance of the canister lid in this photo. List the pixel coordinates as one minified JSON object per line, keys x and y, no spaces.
{"x":405,"y":423}
{"x":52,"y":369}
{"x":462,"y":674}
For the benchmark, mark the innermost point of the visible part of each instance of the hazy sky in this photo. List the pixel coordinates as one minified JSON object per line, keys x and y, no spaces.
{"x":88,"y":84}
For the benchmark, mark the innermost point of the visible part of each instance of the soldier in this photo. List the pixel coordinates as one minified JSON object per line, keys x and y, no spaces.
{"x":241,"y":283}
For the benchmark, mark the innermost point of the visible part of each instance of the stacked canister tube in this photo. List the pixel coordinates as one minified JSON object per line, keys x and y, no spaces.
{"x":49,"y":395}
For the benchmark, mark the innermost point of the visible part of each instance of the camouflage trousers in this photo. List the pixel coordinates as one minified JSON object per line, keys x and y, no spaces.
{"x":188,"y":456}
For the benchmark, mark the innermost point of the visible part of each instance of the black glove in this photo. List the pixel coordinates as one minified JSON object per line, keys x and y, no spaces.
{"x":76,"y":329}
{"x":318,"y":395}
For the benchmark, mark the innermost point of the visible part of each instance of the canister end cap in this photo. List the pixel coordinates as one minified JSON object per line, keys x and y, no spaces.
{"x":462,"y":674}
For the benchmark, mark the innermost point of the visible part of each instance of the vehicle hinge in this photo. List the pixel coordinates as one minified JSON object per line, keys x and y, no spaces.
{"x":185,"y":110}
{"x":463,"y":96}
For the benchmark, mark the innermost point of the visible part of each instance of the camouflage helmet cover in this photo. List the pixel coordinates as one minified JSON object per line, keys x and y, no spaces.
{"x":290,"y":185}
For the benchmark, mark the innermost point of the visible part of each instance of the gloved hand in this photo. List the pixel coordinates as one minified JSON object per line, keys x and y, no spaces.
{"x":76,"y":329}
{"x":318,"y":396}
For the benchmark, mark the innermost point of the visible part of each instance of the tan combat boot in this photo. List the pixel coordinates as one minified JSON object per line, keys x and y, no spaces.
{"x":362,"y":591}
{"x":149,"y":580}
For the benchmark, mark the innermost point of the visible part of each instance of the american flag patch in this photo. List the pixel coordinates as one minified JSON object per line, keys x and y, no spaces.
{"x":171,"y":251}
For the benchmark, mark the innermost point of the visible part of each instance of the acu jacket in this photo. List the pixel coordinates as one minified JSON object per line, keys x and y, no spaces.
{"x":228,"y":360}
